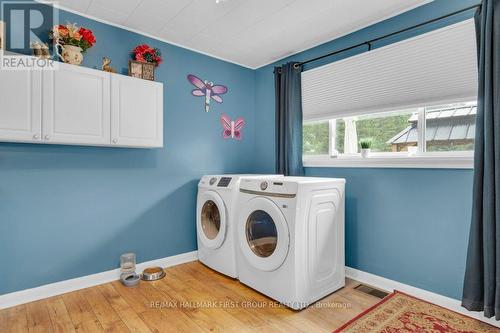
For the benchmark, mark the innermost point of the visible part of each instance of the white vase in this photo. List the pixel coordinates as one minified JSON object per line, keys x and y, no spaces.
{"x":72,"y":54}
{"x":365,"y":152}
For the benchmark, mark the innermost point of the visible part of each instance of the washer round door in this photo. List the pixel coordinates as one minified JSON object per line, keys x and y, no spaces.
{"x":211,"y":220}
{"x":263,"y":234}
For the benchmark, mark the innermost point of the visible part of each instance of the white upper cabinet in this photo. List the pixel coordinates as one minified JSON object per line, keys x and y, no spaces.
{"x":136,"y":112}
{"x":80,"y":106}
{"x":76,"y":106}
{"x":20,"y":105}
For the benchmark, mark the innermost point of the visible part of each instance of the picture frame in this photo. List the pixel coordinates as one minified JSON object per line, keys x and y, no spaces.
{"x":142,"y":70}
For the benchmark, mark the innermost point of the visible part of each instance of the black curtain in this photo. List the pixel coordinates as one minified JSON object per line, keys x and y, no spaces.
{"x":482,"y":275}
{"x":288,"y":119}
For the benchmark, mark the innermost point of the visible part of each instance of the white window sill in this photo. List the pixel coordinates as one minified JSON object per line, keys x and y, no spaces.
{"x":427,"y":161}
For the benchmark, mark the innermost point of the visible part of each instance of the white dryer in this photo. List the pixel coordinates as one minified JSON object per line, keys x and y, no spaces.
{"x":215,"y":221}
{"x":291,"y":237}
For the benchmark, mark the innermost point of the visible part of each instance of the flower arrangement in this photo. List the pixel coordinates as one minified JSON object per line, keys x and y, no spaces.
{"x":145,"y":53}
{"x":71,"y":34}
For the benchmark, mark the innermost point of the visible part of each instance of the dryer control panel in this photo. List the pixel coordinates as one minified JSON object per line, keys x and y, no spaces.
{"x":269,"y":186}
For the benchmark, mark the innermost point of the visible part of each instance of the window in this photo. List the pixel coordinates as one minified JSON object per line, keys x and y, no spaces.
{"x":448,"y":131}
{"x":410,"y":98}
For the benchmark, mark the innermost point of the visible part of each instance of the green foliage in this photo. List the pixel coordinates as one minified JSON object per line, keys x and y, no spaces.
{"x":83,"y":44}
{"x":450,"y":146}
{"x":381,"y":129}
{"x":366,"y":143}
{"x":315,"y":138}
{"x":339,"y":136}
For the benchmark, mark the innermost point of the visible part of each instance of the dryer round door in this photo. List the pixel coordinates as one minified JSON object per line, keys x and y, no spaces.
{"x":263,"y":234}
{"x":211,"y":220}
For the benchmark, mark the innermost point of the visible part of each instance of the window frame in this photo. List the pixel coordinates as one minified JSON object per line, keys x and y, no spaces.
{"x":421,"y":159}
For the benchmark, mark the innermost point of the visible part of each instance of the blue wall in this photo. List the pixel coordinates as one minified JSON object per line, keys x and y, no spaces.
{"x":68,"y":211}
{"x":409,"y":225}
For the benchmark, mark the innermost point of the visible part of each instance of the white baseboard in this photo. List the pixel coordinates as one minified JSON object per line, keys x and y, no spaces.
{"x":58,"y":288}
{"x":391,"y":285}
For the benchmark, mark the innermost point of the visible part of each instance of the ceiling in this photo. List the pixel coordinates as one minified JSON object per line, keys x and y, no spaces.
{"x":251,"y":33}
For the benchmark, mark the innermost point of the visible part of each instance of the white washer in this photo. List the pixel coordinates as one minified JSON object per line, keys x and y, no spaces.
{"x":215,"y":218}
{"x":291,"y":238}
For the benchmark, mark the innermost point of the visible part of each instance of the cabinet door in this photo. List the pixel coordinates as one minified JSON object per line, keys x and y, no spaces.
{"x":136,"y":112}
{"x":20,"y":105}
{"x":76,"y":108}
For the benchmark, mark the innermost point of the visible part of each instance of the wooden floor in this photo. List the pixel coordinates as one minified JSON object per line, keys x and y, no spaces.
{"x":191,"y":298}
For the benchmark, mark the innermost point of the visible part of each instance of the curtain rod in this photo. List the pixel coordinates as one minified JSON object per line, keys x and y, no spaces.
{"x":371,"y":41}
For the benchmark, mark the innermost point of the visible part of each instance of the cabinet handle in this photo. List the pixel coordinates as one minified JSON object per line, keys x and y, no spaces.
{"x":115,"y":141}
{"x":36,"y":137}
{"x":47,"y":137}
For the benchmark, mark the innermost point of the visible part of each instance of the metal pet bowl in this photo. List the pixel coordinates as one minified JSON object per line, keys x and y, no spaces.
{"x":153,"y":273}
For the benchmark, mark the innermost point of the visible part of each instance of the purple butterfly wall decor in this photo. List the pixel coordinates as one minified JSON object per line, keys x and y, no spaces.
{"x":231,"y":129}
{"x":207,"y":89}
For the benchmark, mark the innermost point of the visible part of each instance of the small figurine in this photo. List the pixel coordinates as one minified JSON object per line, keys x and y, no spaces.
{"x":40,"y":50}
{"x":106,"y":65}
{"x":45,"y":51}
{"x":37,"y":49}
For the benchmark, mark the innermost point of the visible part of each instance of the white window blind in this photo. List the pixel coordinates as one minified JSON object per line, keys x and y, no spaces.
{"x":432,"y":68}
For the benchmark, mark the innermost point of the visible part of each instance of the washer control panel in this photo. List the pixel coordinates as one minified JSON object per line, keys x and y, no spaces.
{"x":224,"y":182}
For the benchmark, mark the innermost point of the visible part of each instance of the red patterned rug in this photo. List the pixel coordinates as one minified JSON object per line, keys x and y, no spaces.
{"x":401,"y":313}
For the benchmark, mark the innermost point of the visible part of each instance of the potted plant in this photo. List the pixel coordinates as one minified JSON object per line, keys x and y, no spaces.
{"x":366,"y":145}
{"x":145,"y":59}
{"x":73,"y":41}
